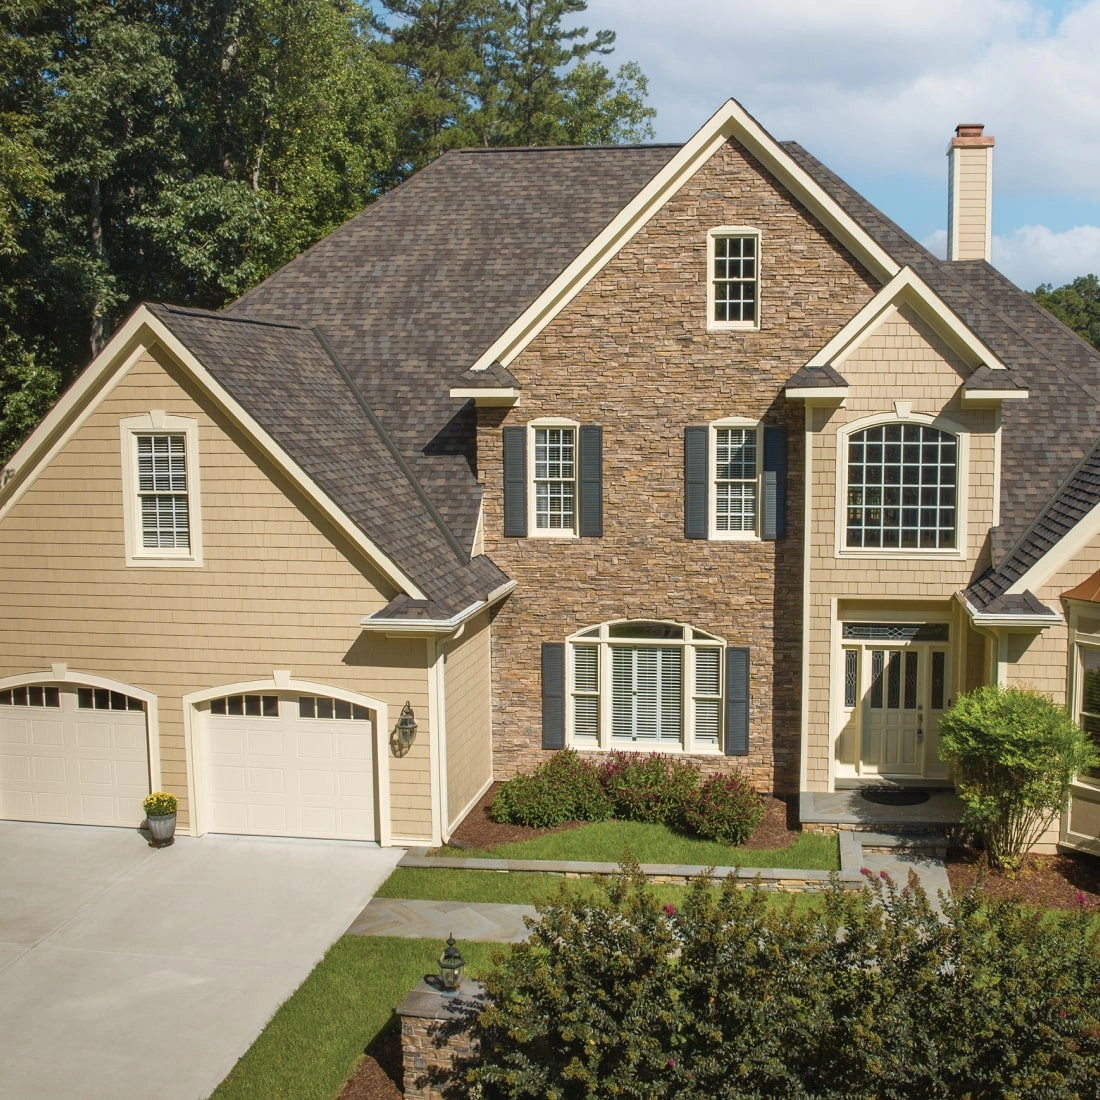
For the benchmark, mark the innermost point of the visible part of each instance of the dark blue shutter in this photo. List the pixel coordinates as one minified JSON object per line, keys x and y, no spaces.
{"x":591,"y":479}
{"x":695,"y":482}
{"x":773,"y":518}
{"x":515,"y":482}
{"x":737,"y":702}
{"x":553,"y":695}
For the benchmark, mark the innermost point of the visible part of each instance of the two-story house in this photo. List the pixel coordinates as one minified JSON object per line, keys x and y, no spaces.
{"x":671,"y":448}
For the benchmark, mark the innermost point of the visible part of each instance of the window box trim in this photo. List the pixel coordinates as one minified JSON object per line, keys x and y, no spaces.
{"x":713,"y":235}
{"x":158,"y":422}
{"x":533,"y":530}
{"x":712,"y":472}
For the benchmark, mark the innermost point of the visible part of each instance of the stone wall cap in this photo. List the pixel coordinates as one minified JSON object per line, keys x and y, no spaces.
{"x":425,"y":1002}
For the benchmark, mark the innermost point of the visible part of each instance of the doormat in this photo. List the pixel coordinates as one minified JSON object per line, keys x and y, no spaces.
{"x":890,"y":796}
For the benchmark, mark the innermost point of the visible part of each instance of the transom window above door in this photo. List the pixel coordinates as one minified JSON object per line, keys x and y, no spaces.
{"x":902,"y":488}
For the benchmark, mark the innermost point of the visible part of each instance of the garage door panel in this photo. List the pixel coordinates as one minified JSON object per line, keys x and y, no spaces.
{"x":48,"y":734}
{"x":292,"y":775}
{"x":91,"y":737}
{"x":15,"y":732}
{"x":98,"y":772}
{"x":15,"y":769}
{"x":49,"y":769}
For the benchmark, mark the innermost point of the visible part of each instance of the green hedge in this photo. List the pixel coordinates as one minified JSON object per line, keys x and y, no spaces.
{"x":728,"y":997}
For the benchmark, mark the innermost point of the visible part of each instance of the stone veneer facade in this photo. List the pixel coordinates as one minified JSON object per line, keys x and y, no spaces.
{"x":632,"y":354}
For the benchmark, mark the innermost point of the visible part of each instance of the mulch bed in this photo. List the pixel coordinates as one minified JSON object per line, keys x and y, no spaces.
{"x":1044,"y":882}
{"x":378,"y":1075}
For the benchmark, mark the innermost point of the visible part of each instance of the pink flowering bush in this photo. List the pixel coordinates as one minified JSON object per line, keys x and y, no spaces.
{"x":725,"y":808}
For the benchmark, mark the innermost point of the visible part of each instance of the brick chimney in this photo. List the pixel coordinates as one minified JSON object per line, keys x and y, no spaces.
{"x":969,"y":194}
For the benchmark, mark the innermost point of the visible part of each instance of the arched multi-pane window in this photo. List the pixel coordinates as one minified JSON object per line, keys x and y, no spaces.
{"x":902,"y":488}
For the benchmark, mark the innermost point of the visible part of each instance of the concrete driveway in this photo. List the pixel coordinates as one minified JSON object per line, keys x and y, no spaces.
{"x":127,"y":971}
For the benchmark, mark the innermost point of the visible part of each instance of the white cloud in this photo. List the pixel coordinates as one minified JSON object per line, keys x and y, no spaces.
{"x":879,"y":87}
{"x":1034,"y":254}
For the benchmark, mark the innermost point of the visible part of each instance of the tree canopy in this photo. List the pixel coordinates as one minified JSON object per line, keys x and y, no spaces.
{"x":1077,"y":304}
{"x":183,"y":152}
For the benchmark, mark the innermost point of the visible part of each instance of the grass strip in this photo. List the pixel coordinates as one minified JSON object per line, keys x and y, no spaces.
{"x":312,"y":1044}
{"x":521,"y":888}
{"x":607,"y":841}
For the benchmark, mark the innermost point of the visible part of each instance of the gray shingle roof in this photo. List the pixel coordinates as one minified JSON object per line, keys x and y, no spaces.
{"x":414,"y":289}
{"x":824,"y":377}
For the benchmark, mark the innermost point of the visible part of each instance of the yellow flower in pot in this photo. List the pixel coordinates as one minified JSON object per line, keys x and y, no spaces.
{"x":160,"y":816}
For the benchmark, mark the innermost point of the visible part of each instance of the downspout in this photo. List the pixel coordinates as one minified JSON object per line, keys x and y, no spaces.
{"x":437,"y":706}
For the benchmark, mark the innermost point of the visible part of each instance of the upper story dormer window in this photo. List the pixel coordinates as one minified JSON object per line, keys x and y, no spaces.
{"x":733,"y":280}
{"x":902,"y":488}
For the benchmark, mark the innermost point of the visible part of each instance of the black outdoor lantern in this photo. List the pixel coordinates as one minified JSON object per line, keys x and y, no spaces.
{"x":450,"y":967}
{"x":404,"y":733}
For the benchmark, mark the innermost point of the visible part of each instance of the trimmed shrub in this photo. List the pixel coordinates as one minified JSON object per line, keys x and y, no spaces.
{"x":1014,"y":752}
{"x":563,"y":788}
{"x":648,"y":786}
{"x":725,"y":808}
{"x":873,"y":996}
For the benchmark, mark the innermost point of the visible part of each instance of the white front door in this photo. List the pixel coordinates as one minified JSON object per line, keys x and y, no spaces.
{"x":284,"y":764}
{"x":75,"y":755}
{"x":895,"y":693}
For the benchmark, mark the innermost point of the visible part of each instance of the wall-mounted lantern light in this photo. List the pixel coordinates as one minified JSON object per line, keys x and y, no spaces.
{"x":404,"y":733}
{"x":450,"y":967}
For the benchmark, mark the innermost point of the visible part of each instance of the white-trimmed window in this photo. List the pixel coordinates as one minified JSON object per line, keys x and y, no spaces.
{"x":733,"y":278}
{"x":735,"y":452}
{"x":1088,"y":691}
{"x":645,"y":685}
{"x":902,"y":488}
{"x":161,"y":490}
{"x":554,"y":463}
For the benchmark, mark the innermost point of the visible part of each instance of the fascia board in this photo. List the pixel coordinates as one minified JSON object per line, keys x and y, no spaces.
{"x":906,"y":288}
{"x":979,"y":398}
{"x":140,"y":332}
{"x":504,"y":397}
{"x":729,"y":121}
{"x":822,"y":395}
{"x":1061,"y":553}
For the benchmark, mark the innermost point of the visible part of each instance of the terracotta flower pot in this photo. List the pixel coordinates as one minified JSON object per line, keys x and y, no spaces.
{"x":162,"y":828}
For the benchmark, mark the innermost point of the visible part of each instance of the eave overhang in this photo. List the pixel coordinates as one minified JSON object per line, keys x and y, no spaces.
{"x":421,"y":623}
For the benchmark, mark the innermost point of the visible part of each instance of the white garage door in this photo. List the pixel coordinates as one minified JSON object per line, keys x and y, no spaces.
{"x":77,"y":755}
{"x":291,"y":765}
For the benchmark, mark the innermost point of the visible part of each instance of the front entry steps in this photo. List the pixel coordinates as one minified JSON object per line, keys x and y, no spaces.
{"x":928,"y":826}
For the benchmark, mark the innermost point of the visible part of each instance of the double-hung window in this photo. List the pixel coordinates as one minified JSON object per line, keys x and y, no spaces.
{"x":555,"y":478}
{"x":161,"y":493}
{"x":733,"y":280}
{"x":735,"y":451}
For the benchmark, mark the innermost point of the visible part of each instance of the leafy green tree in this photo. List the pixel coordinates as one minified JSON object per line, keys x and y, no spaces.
{"x":1015,"y":753}
{"x":1076,"y":304}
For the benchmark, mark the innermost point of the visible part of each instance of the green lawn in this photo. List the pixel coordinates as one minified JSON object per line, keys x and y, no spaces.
{"x":606,"y":841}
{"x":312,"y":1044}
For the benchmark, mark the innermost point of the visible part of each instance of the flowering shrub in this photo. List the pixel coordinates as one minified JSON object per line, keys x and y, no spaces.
{"x":725,"y":808}
{"x":564,"y":788}
{"x":649,"y":787}
{"x":871,"y":995}
{"x":160,"y":804}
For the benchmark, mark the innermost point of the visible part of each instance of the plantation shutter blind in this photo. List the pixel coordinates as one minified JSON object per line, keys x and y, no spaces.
{"x":553,"y":695}
{"x":695,"y":482}
{"x":737,"y":702}
{"x":515,"y":482}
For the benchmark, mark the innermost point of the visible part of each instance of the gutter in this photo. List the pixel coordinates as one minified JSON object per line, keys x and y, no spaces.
{"x":430,"y":627}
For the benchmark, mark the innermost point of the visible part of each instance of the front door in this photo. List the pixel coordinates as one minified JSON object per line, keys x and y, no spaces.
{"x":900,"y":690}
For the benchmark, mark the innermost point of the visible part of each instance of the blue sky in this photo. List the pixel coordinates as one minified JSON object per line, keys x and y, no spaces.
{"x":875,"y":88}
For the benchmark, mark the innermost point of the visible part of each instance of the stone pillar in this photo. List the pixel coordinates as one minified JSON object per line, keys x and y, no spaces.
{"x":437,"y":1043}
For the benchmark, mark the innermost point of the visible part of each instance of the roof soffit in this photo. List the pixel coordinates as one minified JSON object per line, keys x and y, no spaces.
{"x":731,"y":121}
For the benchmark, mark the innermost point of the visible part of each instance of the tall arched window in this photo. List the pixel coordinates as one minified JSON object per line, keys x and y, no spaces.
{"x":902,"y":488}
